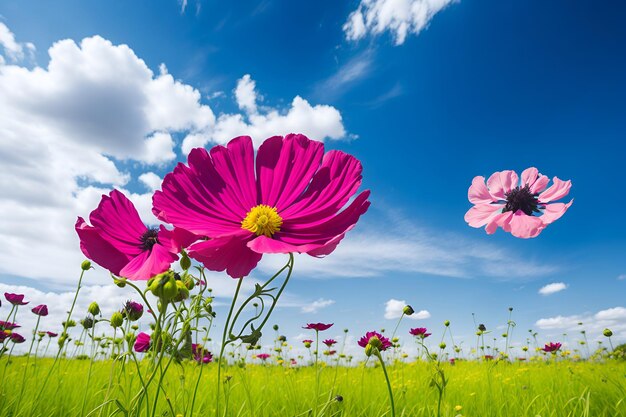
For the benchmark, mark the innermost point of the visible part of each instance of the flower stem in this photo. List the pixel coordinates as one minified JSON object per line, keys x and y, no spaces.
{"x":382,"y":364}
{"x":223,"y":347}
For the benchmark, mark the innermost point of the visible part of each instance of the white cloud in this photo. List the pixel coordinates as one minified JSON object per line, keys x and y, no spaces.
{"x":400,"y":17}
{"x":317,"y":305}
{"x":151,"y":180}
{"x":14,"y":50}
{"x":357,"y":68}
{"x":593,"y":324}
{"x":65,"y":128}
{"x":394,"y":309}
{"x":552,"y":288}
{"x":317,"y":122}
{"x":621,"y":277}
{"x":246,"y":95}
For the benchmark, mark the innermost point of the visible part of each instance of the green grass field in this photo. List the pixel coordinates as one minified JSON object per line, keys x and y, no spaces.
{"x":487,"y":389}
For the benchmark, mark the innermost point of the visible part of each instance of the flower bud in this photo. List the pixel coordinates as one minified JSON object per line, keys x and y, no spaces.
{"x":183,"y":292}
{"x":85,"y":265}
{"x":120,"y":282}
{"x":185,"y":262}
{"x":368,"y":350}
{"x":607,"y":333}
{"x":189,"y":282}
{"x":117,"y":319}
{"x":442,"y":345}
{"x":408,"y":310}
{"x":164,"y":286}
{"x":446,"y":323}
{"x":87,"y":323}
{"x":93,"y":309}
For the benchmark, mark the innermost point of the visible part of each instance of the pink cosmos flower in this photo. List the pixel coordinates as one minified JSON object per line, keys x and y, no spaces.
{"x":142,"y":343}
{"x":200,"y":354}
{"x":382,"y":344}
{"x":7,"y":325}
{"x":293,"y":200}
{"x":318,"y":327}
{"x":17,"y":338}
{"x":52,"y":334}
{"x":41,"y":310}
{"x":420,"y":332}
{"x":329,"y":342}
{"x":522,"y":208}
{"x":121,"y":243}
{"x":15,"y":299}
{"x":551,"y":347}
{"x":132,"y":310}
{"x":263,"y":356}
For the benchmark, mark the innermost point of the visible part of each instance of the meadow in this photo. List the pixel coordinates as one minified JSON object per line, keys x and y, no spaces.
{"x":493,"y":388}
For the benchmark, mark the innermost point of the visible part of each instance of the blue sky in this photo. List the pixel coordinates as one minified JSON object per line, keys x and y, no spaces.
{"x":480,"y":87}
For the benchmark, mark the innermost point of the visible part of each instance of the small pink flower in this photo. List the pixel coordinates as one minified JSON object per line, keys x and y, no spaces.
{"x":522,"y":208}
{"x":329,"y":342}
{"x":7,"y":325}
{"x":52,"y":334}
{"x":382,"y":344}
{"x":552,"y":347}
{"x":41,"y":310}
{"x":121,"y":243}
{"x":142,"y":343}
{"x":319,"y":327}
{"x":263,"y":356}
{"x":200,"y":354}
{"x":17,"y":338}
{"x":132,"y":310}
{"x":15,"y":299}
{"x":420,"y":332}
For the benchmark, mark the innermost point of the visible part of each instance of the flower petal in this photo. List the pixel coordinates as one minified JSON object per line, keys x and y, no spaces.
{"x":502,"y":182}
{"x":502,"y":220}
{"x":529,"y":176}
{"x":148,"y":263}
{"x":332,"y":186}
{"x":525,"y":226}
{"x":540,"y":184}
{"x":478,"y":192}
{"x":558,"y":190}
{"x":319,"y":232}
{"x":228,"y":253}
{"x":554,"y":211}
{"x":481,"y":214}
{"x":284,"y":168}
{"x":177,"y":239}
{"x":118,"y":222}
{"x":213,"y":194}
{"x":98,"y":249}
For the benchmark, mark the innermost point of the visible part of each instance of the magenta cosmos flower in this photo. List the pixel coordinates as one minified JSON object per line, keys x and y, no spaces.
{"x":200,"y":354}
{"x":52,"y":334}
{"x":318,"y":327}
{"x":292,"y":200}
{"x":522,"y":208}
{"x":121,"y":243}
{"x":263,"y":356}
{"x":7,"y":325}
{"x":142,"y":343}
{"x":15,"y":299}
{"x":40,"y":310}
{"x":420,"y":332}
{"x":17,"y":338}
{"x":551,"y":347}
{"x":329,"y":342}
{"x":376,"y":339}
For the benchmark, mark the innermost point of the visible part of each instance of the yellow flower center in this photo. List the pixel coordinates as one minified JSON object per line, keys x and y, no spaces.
{"x":262,"y":220}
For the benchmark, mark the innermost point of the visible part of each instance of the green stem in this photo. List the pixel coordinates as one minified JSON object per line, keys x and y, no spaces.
{"x":223,"y":347}
{"x":382,"y":364}
{"x":63,"y":334}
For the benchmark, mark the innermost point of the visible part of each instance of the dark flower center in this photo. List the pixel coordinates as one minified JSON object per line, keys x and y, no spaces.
{"x":149,"y":239}
{"x":520,"y":198}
